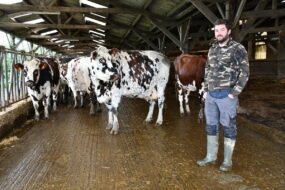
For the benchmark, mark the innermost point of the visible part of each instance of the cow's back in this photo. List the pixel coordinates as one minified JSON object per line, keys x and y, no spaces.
{"x":140,"y":70}
{"x":78,"y":74}
{"x":190,"y":68}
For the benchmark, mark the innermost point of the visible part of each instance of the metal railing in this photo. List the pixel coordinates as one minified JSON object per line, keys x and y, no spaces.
{"x":12,"y":87}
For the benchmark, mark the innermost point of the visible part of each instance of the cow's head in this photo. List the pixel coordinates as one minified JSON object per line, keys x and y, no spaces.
{"x":31,"y":70}
{"x":101,"y":64}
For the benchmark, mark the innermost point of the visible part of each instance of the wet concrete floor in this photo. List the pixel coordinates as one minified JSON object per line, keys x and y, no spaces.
{"x":73,"y":151}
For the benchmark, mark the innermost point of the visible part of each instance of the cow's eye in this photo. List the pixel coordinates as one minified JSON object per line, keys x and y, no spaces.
{"x":102,"y":60}
{"x":36,"y":72}
{"x":25,"y":73}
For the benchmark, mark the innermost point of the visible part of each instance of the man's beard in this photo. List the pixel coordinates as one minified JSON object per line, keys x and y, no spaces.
{"x":223,"y":39}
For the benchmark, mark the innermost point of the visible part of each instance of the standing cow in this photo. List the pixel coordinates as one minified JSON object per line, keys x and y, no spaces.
{"x":140,"y":74}
{"x":78,"y":80}
{"x":63,"y":88}
{"x":42,"y":79}
{"x":189,"y":74}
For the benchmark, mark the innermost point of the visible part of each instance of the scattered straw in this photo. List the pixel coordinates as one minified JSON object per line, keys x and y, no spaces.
{"x":8,"y":141}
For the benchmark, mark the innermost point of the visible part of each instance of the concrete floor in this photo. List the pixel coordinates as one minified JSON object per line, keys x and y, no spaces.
{"x":73,"y":151}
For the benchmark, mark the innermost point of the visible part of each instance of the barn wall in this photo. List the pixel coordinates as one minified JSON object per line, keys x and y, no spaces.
{"x":264,"y":68}
{"x":14,"y":116}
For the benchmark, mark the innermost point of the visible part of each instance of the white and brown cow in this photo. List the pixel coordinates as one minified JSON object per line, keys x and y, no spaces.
{"x":63,"y":88}
{"x":78,"y":80}
{"x":42,"y":79}
{"x":189,"y":74}
{"x":139,"y":74}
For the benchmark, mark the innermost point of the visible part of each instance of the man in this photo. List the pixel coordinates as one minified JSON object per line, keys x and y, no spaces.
{"x":226,"y":74}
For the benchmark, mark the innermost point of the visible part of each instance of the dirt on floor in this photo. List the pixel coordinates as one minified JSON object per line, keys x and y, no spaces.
{"x":263,"y":101}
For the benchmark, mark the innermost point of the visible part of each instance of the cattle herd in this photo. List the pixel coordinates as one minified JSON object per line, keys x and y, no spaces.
{"x":110,"y":74}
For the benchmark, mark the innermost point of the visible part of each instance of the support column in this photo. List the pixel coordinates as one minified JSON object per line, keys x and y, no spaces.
{"x":281,"y":56}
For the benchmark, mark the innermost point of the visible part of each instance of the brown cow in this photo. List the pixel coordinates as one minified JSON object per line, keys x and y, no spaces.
{"x":189,"y":73}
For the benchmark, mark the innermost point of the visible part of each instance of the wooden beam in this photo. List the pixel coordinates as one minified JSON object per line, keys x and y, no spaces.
{"x":260,"y":6}
{"x":135,"y":21}
{"x":58,"y":26}
{"x":55,"y":36}
{"x":237,"y":17}
{"x":266,"y":29}
{"x":166,"y":32}
{"x":204,"y":10}
{"x":66,"y":9}
{"x":146,"y":40}
{"x":263,"y":13}
{"x":122,"y":10}
{"x":220,"y":10}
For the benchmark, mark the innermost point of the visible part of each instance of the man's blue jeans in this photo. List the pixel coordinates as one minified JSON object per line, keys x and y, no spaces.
{"x":221,"y":111}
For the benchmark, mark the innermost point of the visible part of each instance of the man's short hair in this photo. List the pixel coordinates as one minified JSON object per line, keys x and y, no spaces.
{"x":223,"y":21}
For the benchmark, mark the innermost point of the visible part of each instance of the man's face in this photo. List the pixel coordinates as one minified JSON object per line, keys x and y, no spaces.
{"x":222,"y":33}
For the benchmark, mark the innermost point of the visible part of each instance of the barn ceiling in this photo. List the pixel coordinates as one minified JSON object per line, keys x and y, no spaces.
{"x":78,"y":26}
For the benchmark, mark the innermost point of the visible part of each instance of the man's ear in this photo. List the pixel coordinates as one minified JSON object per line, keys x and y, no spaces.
{"x":230,"y":31}
{"x":43,"y":66}
{"x":19,"y":66}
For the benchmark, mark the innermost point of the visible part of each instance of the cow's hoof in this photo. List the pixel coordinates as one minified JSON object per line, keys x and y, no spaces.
{"x":75,"y":107}
{"x":147,"y":121}
{"x":92,"y":113}
{"x":99,"y":110}
{"x":182,"y":114}
{"x":114,"y":132}
{"x":158,"y":123}
{"x":46,"y":118}
{"x":109,"y":126}
{"x":37,"y":118}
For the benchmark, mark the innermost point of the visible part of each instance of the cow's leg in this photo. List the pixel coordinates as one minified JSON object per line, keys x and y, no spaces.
{"x":36,"y":107}
{"x":186,"y":99}
{"x":180,"y":98}
{"x":110,"y":119}
{"x":150,"y":112}
{"x":115,"y":128}
{"x":54,"y":98}
{"x":113,"y":114}
{"x":81,"y":98}
{"x":74,"y":96}
{"x":46,"y":102}
{"x":160,"y":110}
{"x":93,"y":102}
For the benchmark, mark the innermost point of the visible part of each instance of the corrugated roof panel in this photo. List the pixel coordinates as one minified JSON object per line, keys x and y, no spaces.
{"x":163,"y":7}
{"x":134,"y":4}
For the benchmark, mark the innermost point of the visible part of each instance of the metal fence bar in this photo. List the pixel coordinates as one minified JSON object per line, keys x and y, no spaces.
{"x":2,"y":89}
{"x":7,"y":94}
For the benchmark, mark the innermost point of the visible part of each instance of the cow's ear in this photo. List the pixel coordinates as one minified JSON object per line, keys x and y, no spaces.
{"x":43,"y":66}
{"x":113,"y":51}
{"x":94,"y":55}
{"x":19,"y":66}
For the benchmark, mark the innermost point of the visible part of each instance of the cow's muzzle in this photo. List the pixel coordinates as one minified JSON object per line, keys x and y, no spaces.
{"x":114,"y":77}
{"x":30,"y":83}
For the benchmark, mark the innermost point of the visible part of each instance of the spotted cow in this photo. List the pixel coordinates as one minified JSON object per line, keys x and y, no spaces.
{"x":42,"y":79}
{"x":63,"y":88}
{"x":134,"y":74}
{"x":78,"y":80}
{"x":189,"y":74}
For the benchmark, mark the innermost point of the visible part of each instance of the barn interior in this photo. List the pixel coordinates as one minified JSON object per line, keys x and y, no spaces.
{"x":64,"y":28}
